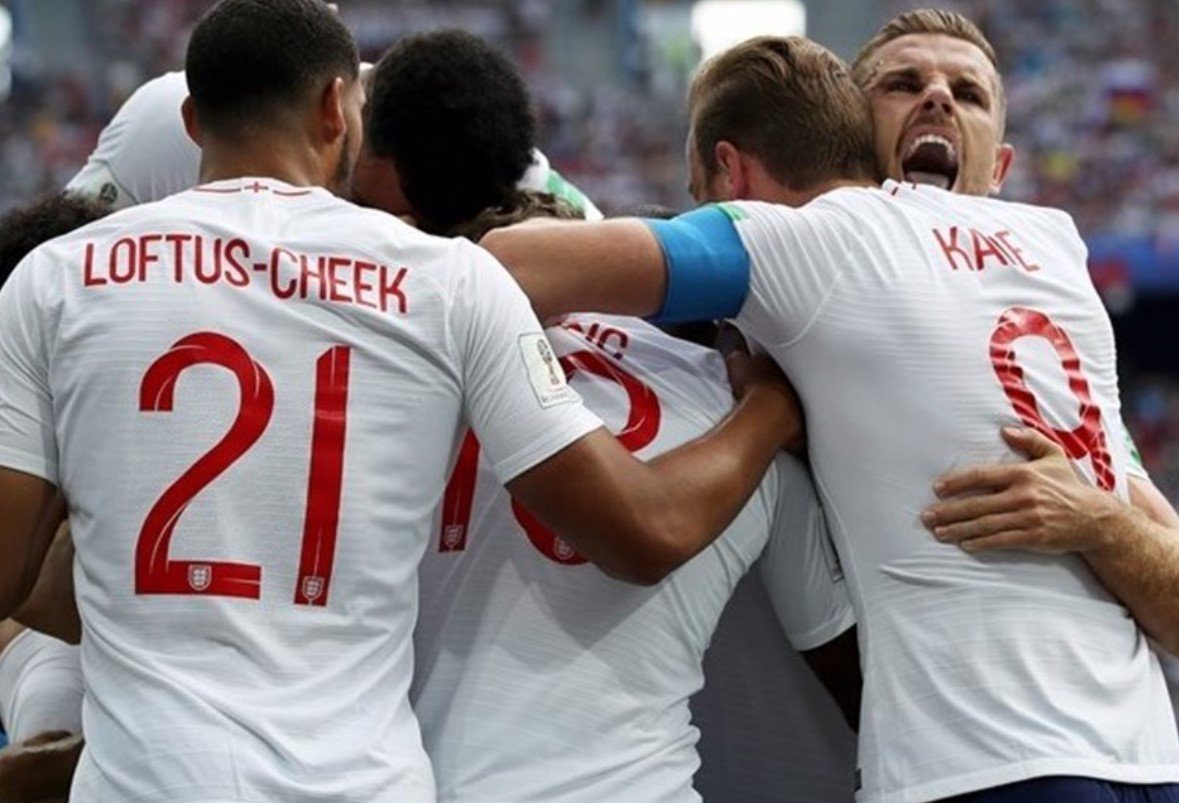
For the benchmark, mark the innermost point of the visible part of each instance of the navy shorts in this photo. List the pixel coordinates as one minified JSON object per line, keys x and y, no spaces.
{"x":1073,"y":790}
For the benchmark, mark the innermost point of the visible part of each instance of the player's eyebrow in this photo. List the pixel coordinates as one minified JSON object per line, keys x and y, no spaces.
{"x":970,"y":81}
{"x":902,"y":71}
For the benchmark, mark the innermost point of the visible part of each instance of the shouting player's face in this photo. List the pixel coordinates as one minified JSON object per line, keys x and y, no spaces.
{"x":938,"y":110}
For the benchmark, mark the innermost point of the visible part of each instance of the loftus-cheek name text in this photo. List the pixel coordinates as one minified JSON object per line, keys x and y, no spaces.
{"x":193,"y":258}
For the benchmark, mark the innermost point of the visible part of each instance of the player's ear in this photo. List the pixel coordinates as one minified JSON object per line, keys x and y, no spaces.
{"x":191,"y":125}
{"x":333,"y":117}
{"x":731,"y":173}
{"x":1003,"y":160}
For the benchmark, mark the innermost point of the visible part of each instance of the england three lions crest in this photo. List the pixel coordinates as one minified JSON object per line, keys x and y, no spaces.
{"x":200,"y":576}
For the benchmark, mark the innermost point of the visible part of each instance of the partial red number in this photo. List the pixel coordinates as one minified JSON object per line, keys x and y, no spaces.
{"x":641,"y":428}
{"x":1087,"y":439}
{"x":155,"y":572}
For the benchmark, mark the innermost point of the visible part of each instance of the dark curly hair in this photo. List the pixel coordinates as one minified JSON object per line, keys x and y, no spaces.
{"x":25,"y":227}
{"x":454,"y":117}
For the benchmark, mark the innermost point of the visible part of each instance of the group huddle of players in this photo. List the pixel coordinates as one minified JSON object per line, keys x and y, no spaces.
{"x":346,"y":521}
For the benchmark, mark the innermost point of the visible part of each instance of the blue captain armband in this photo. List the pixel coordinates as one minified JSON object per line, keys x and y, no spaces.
{"x":707,"y":266}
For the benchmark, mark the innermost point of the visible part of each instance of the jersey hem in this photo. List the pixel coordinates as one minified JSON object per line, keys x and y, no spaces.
{"x":1025,"y":771}
{"x":823,"y":634}
{"x":540,"y":450}
{"x":28,"y":463}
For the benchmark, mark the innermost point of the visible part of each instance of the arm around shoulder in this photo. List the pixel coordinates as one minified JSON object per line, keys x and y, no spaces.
{"x":30,"y":511}
{"x":639,"y":521}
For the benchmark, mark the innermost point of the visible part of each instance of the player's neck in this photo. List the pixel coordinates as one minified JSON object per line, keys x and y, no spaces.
{"x":264,"y":158}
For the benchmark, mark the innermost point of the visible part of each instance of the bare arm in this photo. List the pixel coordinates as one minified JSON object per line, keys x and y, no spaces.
{"x":30,"y":510}
{"x":639,"y":521}
{"x":51,"y":607}
{"x":1043,"y":506}
{"x":40,"y":769}
{"x":614,"y":266}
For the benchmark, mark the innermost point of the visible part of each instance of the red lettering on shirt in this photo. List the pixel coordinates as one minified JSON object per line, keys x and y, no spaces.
{"x":984,"y":248}
{"x":1016,"y":254}
{"x":335,"y":280}
{"x":88,"y":277}
{"x":998,"y":248}
{"x":292,"y":285}
{"x":208,"y":261}
{"x":392,"y":289}
{"x":951,"y":248}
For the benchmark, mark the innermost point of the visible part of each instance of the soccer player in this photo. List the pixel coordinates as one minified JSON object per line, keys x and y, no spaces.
{"x":456,"y":134}
{"x":245,"y":638}
{"x":144,"y":154}
{"x":40,"y":676}
{"x":517,"y":633}
{"x":915,"y":323}
{"x":940,"y":110}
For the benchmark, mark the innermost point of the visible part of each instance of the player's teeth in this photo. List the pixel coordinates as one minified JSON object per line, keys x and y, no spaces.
{"x":933,"y":139}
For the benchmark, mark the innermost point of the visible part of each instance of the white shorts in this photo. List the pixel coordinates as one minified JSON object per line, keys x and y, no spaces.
{"x":40,"y":686}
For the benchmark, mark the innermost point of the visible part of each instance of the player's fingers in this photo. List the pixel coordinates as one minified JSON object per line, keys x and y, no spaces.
{"x":1029,"y":442}
{"x":985,"y":477}
{"x":1008,"y":539}
{"x":980,"y":527}
{"x":955,"y":510}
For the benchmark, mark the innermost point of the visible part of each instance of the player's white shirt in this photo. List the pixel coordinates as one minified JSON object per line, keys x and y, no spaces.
{"x":769,"y":731}
{"x":337,"y":415}
{"x":143,"y":154}
{"x":40,"y":686}
{"x":541,"y":679}
{"x":901,"y":314}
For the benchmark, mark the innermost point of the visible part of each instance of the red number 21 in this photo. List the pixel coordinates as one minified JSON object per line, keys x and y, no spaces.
{"x":155,"y":573}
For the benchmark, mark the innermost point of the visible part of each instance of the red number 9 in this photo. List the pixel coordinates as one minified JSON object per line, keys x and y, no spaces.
{"x":1086,"y":439}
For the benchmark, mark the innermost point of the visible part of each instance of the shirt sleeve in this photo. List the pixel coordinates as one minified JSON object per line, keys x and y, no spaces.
{"x":517,"y":400}
{"x":767,"y":265}
{"x":796,"y":257}
{"x":27,"y":441}
{"x":799,"y":567}
{"x":1134,"y":466}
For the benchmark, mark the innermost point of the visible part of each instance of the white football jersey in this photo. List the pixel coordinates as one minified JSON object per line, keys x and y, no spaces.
{"x":769,"y":731}
{"x":253,"y":422}
{"x":40,"y":686}
{"x":541,"y":679}
{"x":915,"y":324}
{"x":143,"y":154}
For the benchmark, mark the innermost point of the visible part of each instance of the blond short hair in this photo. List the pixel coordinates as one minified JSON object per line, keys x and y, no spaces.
{"x":523,"y":205}
{"x":791,"y":103}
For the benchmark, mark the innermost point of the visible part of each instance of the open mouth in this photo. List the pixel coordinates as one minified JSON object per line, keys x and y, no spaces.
{"x":931,"y":159}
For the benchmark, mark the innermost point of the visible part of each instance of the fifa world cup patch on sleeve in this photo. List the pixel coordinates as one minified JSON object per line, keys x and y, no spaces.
{"x":544,"y":371}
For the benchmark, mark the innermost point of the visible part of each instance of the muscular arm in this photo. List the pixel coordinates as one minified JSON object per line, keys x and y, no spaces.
{"x":40,"y":769}
{"x":30,"y":510}
{"x":51,"y":607}
{"x":639,"y":521}
{"x":1135,"y":552}
{"x":1043,"y":506}
{"x":614,"y":266}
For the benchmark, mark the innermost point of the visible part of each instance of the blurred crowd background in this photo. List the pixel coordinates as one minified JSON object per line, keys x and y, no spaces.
{"x":1093,"y":90}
